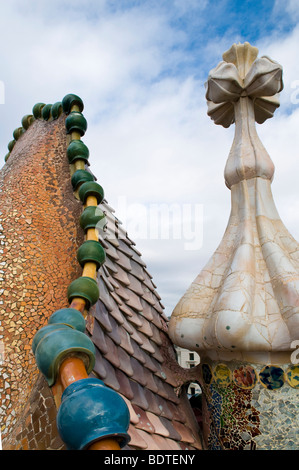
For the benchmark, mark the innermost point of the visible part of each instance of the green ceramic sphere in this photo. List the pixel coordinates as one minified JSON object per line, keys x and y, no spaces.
{"x":56,"y":110}
{"x":77,"y":150}
{"x":91,"y":251}
{"x":76,"y":122}
{"x":27,"y":121}
{"x":92,"y":217}
{"x":46,"y":111}
{"x":70,"y":317}
{"x":11,"y":145}
{"x":79,"y":177}
{"x":59,"y":344}
{"x":37,"y":110}
{"x":71,"y":100}
{"x":91,"y":188}
{"x":43,"y":332}
{"x":18,"y":132}
{"x":84,"y":288}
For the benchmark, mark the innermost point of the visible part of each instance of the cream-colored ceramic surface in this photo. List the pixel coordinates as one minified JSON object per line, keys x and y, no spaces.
{"x":245,"y":302}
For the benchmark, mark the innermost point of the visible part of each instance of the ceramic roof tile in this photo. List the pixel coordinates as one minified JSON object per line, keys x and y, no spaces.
{"x":124,"y":383}
{"x":163,"y":406}
{"x":125,"y":341}
{"x":139,"y":372}
{"x":106,"y":280}
{"x":105,"y":296}
{"x":137,"y":440}
{"x":184,"y":431}
{"x":157,"y":355}
{"x":98,"y":338}
{"x":138,"y":353}
{"x":114,"y":334}
{"x":122,"y":293}
{"x":139,"y":397}
{"x":134,"y":284}
{"x":135,"y":336}
{"x":144,"y":421}
{"x":124,"y":261}
{"x":137,"y":270}
{"x":156,"y":338}
{"x":151,"y":442}
{"x":147,"y":310}
{"x":145,"y":327}
{"x":173,"y":444}
{"x":146,"y":345}
{"x":157,"y":424}
{"x":124,"y":248}
{"x":133,"y":317}
{"x":134,"y":302}
{"x":133,"y":416}
{"x":162,"y":442}
{"x":100,"y":364}
{"x":153,"y":405}
{"x":111,"y":251}
{"x":116,"y":297}
{"x":112,"y":353}
{"x":151,"y":384}
{"x":173,"y":433}
{"x":116,"y":314}
{"x":110,"y":379}
{"x":109,"y":264}
{"x":125,"y":362}
{"x":100,"y":312}
{"x":121,"y":275}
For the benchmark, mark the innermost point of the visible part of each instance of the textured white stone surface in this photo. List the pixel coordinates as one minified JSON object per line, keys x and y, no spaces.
{"x":245,"y":302}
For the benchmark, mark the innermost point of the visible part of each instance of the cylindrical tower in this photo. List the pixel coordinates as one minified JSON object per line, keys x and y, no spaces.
{"x":241,"y":313}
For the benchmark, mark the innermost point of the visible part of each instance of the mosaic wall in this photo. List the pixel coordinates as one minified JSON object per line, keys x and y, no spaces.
{"x":248,"y":407}
{"x":39,"y":241}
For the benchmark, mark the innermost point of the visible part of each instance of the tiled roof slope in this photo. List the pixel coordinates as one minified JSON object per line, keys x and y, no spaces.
{"x":134,"y":355}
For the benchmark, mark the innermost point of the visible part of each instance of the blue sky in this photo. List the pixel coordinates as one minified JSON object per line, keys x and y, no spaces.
{"x":140,"y":68}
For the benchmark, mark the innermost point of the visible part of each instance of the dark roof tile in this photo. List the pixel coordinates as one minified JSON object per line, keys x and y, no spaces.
{"x":137,"y":440}
{"x":139,"y":397}
{"x":98,"y":338}
{"x":139,"y":372}
{"x":125,"y":362}
{"x":124,"y":382}
{"x":173,"y":433}
{"x":144,"y":421}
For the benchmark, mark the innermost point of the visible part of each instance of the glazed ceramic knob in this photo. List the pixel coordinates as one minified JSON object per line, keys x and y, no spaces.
{"x":91,"y":251}
{"x":90,"y":411}
{"x":92,"y":217}
{"x":85,"y":288}
{"x":56,"y":110}
{"x":91,"y":188}
{"x":11,"y":145}
{"x":70,"y":317}
{"x":71,"y":100}
{"x":46,"y":112}
{"x":27,"y":120}
{"x":44,"y":331}
{"x":18,"y":132}
{"x":76,"y":122}
{"x":79,"y":177}
{"x":59,"y":343}
{"x":37,"y":110}
{"x":77,"y":150}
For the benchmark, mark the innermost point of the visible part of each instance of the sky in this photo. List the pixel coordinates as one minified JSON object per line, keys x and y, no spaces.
{"x":140,"y":69}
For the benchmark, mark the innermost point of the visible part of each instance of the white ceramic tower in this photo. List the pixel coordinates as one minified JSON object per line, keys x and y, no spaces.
{"x":241,"y":313}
